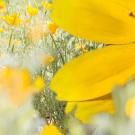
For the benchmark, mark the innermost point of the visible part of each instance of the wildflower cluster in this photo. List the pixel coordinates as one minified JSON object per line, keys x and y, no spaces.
{"x":55,"y":83}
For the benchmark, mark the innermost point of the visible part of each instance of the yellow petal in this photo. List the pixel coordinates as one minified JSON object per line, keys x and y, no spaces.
{"x":85,"y":110}
{"x":50,"y":130}
{"x":94,"y":74}
{"x":107,"y":21}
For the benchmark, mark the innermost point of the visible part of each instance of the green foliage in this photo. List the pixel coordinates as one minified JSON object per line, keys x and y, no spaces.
{"x":50,"y":109}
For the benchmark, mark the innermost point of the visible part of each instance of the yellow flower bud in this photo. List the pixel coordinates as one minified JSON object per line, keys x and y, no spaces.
{"x":52,"y":27}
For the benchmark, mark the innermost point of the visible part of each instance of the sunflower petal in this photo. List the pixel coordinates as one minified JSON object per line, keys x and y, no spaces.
{"x":94,"y":74}
{"x":108,"y":21}
{"x":86,"y":110}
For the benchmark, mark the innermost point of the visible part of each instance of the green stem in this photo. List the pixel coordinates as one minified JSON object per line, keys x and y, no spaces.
{"x":10,"y":38}
{"x":12,"y":50}
{"x":63,"y":61}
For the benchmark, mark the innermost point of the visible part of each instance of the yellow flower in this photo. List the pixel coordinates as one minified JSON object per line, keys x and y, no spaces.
{"x":92,"y":76}
{"x":18,"y":83}
{"x":12,"y":19}
{"x":46,"y":5}
{"x":52,"y":27}
{"x":50,"y":130}
{"x":130,"y":108}
{"x":1,"y":30}
{"x":2,"y":4}
{"x":32,"y":11}
{"x":39,"y":83}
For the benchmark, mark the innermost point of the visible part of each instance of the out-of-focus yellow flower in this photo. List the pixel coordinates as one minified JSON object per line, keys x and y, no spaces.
{"x":18,"y":84}
{"x":39,"y":83}
{"x":32,"y":11}
{"x":2,"y":4}
{"x":130,"y":108}
{"x":52,"y":27}
{"x":50,"y":130}
{"x":46,"y":59}
{"x":1,"y":30}
{"x":47,"y":5}
{"x":12,"y":19}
